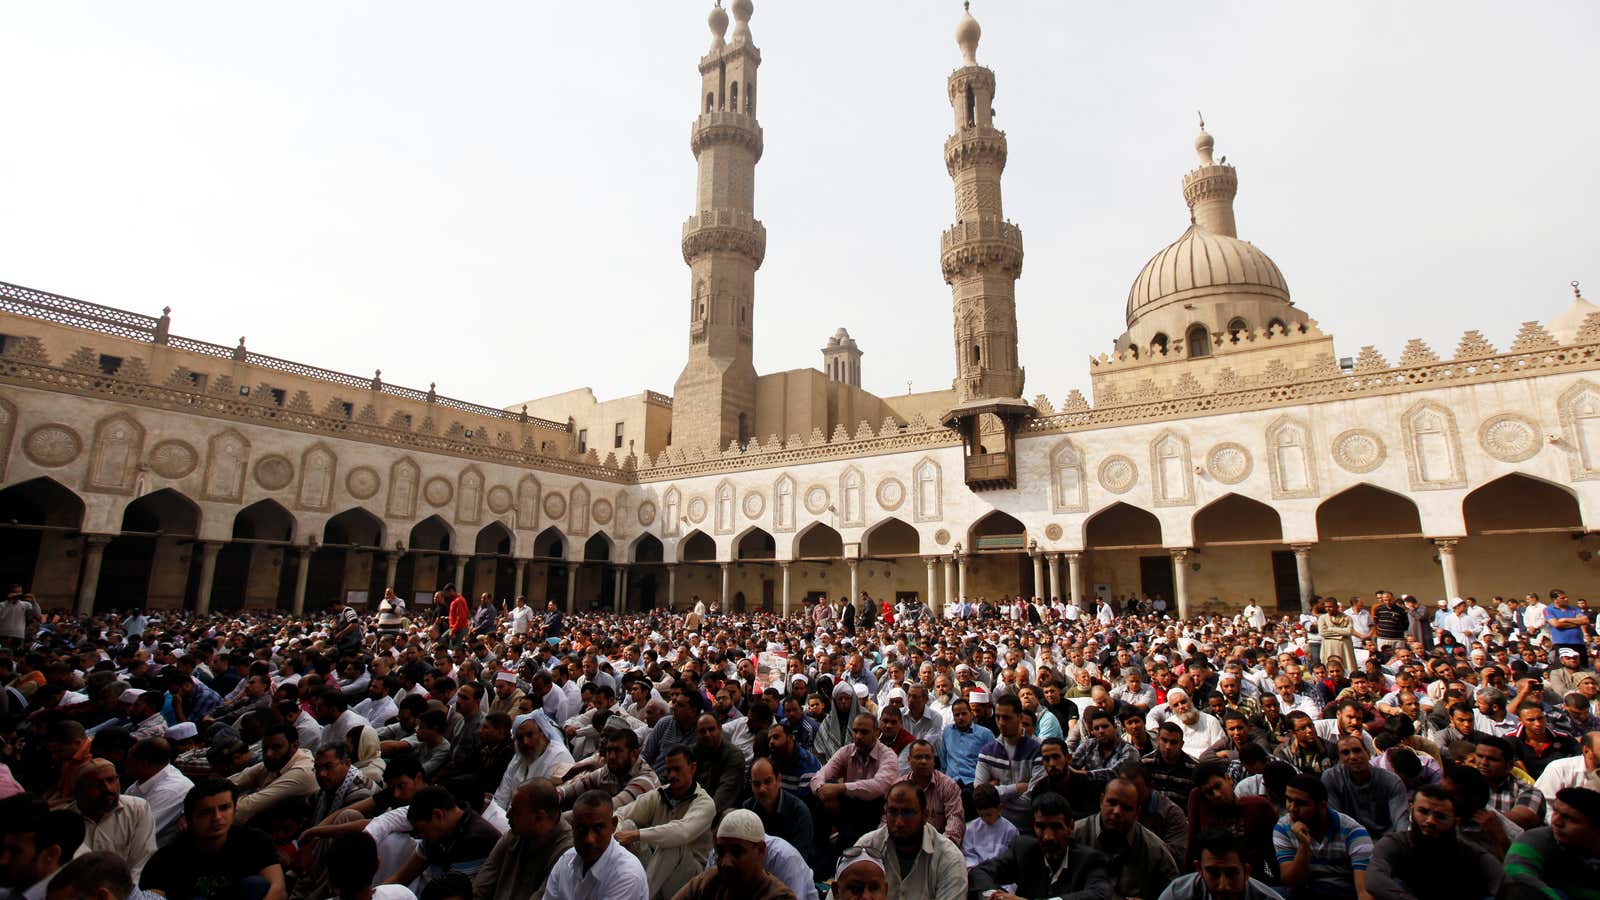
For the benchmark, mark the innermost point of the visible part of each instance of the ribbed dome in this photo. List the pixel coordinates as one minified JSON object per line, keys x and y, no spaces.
{"x":1201,"y":264}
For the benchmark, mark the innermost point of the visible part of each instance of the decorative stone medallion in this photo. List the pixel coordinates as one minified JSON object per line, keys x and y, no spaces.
{"x":1053,"y":531}
{"x":1358,"y":450}
{"x":555,"y":505}
{"x":362,"y":482}
{"x":891,"y":493}
{"x":647,"y":512}
{"x":1229,"y":462}
{"x":438,"y":491}
{"x":52,"y":445}
{"x":274,"y":472}
{"x":697,"y":510}
{"x":173,"y":459}
{"x":500,"y":500}
{"x":941,"y":537}
{"x":1508,"y":437}
{"x":755,"y":503}
{"x":600,"y":511}
{"x":816,"y":499}
{"x":1118,"y":474}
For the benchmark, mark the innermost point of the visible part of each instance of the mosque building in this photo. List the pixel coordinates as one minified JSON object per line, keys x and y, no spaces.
{"x":1229,"y":451}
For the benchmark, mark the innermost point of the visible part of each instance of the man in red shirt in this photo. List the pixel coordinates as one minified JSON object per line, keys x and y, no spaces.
{"x":460,"y":616}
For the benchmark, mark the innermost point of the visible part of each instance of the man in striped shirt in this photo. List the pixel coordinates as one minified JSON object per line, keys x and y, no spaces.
{"x":1321,"y":852}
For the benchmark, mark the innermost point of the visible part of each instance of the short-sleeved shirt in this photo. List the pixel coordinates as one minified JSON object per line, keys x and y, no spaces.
{"x":464,"y":849}
{"x":182,"y":869}
{"x":1344,"y":849}
{"x":1571,"y":635}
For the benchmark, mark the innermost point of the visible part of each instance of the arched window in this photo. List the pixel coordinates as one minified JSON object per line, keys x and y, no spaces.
{"x":733,"y":96}
{"x":1158,"y":345}
{"x":972,"y":109}
{"x":744,"y":430}
{"x":977,"y":354}
{"x":711,"y":102}
{"x":1276,"y":327}
{"x":750,"y":98}
{"x":1198,"y":341}
{"x":1237,"y":327}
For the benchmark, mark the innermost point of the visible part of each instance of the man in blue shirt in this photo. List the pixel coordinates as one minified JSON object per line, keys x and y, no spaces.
{"x":1569,"y":631}
{"x":959,"y":745}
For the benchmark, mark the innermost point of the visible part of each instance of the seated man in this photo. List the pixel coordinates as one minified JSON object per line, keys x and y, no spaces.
{"x":1321,"y":853}
{"x":1372,"y":796}
{"x":38,"y":841}
{"x":521,"y":861}
{"x":597,"y":867}
{"x":670,"y":828}
{"x":284,"y":773}
{"x":1431,"y":862}
{"x":781,"y":814}
{"x":851,"y":787}
{"x":739,"y":866}
{"x":1138,"y":863}
{"x":925,"y":862}
{"x":1048,"y":864}
{"x":214,"y":850}
{"x":111,"y":820}
{"x":1560,"y":859}
{"x":1223,"y":872}
{"x":622,"y":772}
{"x":455,"y":840}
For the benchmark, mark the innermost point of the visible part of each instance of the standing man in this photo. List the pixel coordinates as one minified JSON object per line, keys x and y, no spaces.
{"x":1566,"y":624}
{"x":1390,"y":621}
{"x":459,"y":617}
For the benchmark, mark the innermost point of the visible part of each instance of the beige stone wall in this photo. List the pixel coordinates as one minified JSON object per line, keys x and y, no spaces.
{"x":646,"y":419}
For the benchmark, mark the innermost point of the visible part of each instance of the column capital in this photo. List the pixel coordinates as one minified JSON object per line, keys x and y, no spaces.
{"x":1072,"y":554}
{"x":1302,"y":549}
{"x":852,"y":562}
{"x":1179,"y":554}
{"x":98,"y":540}
{"x":932,"y":561}
{"x":396,"y":554}
{"x":1446,"y":545}
{"x":211,"y":546}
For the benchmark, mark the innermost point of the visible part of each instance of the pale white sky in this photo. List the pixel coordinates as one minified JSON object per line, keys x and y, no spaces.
{"x":489,"y":194}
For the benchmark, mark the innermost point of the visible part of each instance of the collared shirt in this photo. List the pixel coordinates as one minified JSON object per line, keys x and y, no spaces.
{"x":867,"y":774}
{"x":939,"y":872}
{"x":1344,"y":849}
{"x":128,"y":831}
{"x":983,"y":841}
{"x":639,"y":780}
{"x":1514,"y":792}
{"x":958,"y":751}
{"x":165,"y":792}
{"x":378,"y":711}
{"x":616,"y":875}
{"x":1101,"y":762}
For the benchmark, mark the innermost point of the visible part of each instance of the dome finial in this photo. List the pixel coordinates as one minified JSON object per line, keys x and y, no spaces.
{"x":718,"y":22}
{"x":742,"y":11}
{"x":1203,"y":143}
{"x":1576,"y":294}
{"x":967,"y":34}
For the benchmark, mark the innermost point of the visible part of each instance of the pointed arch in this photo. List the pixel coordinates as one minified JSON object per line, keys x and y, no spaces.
{"x":355,"y":527}
{"x":755,"y":543}
{"x":647,"y":549}
{"x":1520,"y":503}
{"x":927,"y":491}
{"x":1171,"y":471}
{"x":114,"y":455}
{"x":1068,"y":487}
{"x":494,"y":539}
{"x":8,"y":430}
{"x":578,"y":511}
{"x":672,"y":512}
{"x":598,"y":547}
{"x":318,"y":467}
{"x":1366,"y":511}
{"x":783,"y":500}
{"x":41,"y":501}
{"x":891,"y":537}
{"x":432,"y":533}
{"x":404,"y":476}
{"x":697,"y":546}
{"x":818,"y":541}
{"x":1579,"y":410}
{"x":852,"y":497}
{"x":1235,"y":518}
{"x":550,"y":544}
{"x":469,"y":496}
{"x":723,"y":515}
{"x":167,"y":511}
{"x":227,"y":461}
{"x":997,"y":530}
{"x":264,"y":520}
{"x":1433,"y":447}
{"x":1291,"y":459}
{"x":527,"y":503}
{"x":1122,"y":525}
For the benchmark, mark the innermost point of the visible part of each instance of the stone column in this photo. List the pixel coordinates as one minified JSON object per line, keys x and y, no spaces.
{"x":461,"y":576}
{"x":391,"y":569}
{"x":961,"y":575}
{"x":783,"y":568}
{"x":855,"y":582}
{"x":521,"y":590}
{"x":1447,"y":567}
{"x":1180,"y":580}
{"x":949,"y":582}
{"x":621,"y":591}
{"x":1038,"y":572}
{"x":672,"y":587}
{"x":1055,"y":577}
{"x":572,"y":587}
{"x":301,"y":574}
{"x":208,"y":574}
{"x":934,"y":606}
{"x":1075,"y":578}
{"x":1302,"y":571}
{"x":94,"y":551}
{"x":727,"y":582}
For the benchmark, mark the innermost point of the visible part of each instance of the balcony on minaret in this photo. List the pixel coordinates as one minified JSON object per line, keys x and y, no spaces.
{"x":731,"y":230}
{"x":975,"y":145}
{"x":985,"y":242}
{"x":721,"y":127}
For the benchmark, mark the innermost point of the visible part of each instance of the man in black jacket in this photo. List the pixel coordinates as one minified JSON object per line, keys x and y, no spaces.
{"x":1049,"y":864}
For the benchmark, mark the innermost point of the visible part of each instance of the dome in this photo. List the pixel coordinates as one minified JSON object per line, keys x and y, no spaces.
{"x":1202,"y":264}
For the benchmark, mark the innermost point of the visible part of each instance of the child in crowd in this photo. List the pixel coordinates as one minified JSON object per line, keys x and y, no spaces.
{"x":988,"y":835}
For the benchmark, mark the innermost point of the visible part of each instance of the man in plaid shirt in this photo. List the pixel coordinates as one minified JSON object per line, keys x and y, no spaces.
{"x":1520,"y":801}
{"x":1098,"y":757}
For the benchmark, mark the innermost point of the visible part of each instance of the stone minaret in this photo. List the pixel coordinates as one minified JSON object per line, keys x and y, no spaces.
{"x":723,"y":244}
{"x":982,"y":257}
{"x":841,"y":359}
{"x":1210,"y":188}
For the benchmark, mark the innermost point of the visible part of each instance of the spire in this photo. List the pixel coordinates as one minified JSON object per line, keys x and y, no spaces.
{"x":742,"y":10}
{"x":718,"y":20}
{"x":1210,"y":188}
{"x":967,"y":34}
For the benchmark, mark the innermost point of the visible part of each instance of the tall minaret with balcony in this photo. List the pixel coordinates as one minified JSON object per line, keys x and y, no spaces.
{"x":723,"y":244}
{"x":982,"y":257}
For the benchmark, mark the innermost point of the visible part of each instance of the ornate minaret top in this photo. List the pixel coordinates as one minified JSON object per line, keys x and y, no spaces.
{"x":981,"y":257}
{"x":1209,"y":189}
{"x":723,"y":243}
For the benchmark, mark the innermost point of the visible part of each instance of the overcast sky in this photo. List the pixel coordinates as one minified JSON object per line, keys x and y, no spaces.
{"x":489,"y":194}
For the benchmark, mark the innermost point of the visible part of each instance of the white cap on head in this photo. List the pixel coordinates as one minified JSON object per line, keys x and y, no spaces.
{"x":978,"y":695}
{"x":742,"y":825}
